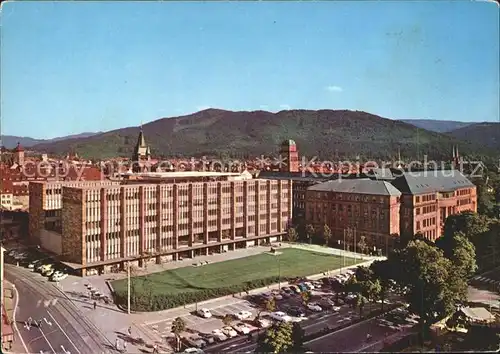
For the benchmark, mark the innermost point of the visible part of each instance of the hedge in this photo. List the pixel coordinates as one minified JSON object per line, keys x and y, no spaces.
{"x":157,"y":302}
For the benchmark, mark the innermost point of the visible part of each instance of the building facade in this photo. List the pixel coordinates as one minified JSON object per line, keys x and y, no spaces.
{"x":429,"y":197}
{"x":109,"y":224}
{"x":355,"y":209}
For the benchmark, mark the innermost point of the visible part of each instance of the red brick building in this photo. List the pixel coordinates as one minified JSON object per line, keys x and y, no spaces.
{"x":370,"y":208}
{"x":429,"y":197}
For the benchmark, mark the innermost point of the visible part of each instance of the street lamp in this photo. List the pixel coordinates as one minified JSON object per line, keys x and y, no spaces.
{"x":128,"y":287}
{"x":279,"y":272}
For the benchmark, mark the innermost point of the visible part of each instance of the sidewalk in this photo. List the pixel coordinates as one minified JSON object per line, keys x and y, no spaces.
{"x":9,"y":303}
{"x":114,"y":323}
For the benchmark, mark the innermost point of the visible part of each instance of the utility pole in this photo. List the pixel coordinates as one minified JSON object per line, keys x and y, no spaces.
{"x":343,"y":255}
{"x":128,"y":287}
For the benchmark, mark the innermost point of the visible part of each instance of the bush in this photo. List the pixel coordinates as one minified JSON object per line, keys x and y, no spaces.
{"x":157,"y":302}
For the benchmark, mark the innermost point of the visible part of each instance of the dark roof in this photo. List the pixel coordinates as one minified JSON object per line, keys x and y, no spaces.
{"x":141,"y":142}
{"x":360,"y":186}
{"x":431,"y":181}
{"x":305,"y":176}
{"x":381,"y":174}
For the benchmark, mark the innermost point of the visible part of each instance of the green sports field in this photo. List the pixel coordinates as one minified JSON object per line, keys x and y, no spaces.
{"x":290,"y":263}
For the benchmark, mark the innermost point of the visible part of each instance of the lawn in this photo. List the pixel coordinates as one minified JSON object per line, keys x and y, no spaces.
{"x":292,"y":263}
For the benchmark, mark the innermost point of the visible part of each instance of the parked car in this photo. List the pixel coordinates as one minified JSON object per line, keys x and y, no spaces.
{"x":295,"y":289}
{"x":58,"y":276}
{"x":205,"y":313}
{"x":217,"y":333}
{"x":243,"y":315}
{"x":302,"y":287}
{"x":193,"y":351}
{"x":314,"y":307}
{"x":196,"y":341}
{"x":229,"y":331}
{"x":241,"y":328}
{"x":309,"y":285}
{"x":263,"y":323}
{"x":296,"y":312}
{"x":280,"y":316}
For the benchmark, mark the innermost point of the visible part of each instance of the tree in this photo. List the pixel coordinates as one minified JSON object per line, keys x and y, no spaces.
{"x":382,"y":271}
{"x":277,"y":339}
{"x":360,"y":304}
{"x":306,"y":297}
{"x":178,"y":326}
{"x":268,"y":305}
{"x":227,"y":320}
{"x":434,"y":286}
{"x":309,"y":232}
{"x":327,"y":234}
{"x":460,"y":251}
{"x":471,"y":224}
{"x":362,"y":246}
{"x":291,"y":234}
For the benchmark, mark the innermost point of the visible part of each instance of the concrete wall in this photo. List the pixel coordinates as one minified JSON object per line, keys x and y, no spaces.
{"x":51,"y":241}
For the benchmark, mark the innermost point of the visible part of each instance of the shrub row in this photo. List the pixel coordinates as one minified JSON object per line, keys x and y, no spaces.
{"x":144,"y":302}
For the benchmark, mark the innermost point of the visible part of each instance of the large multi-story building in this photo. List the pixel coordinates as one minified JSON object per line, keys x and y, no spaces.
{"x":157,"y":217}
{"x":368,"y":208}
{"x":381,"y":210}
{"x":429,"y":197}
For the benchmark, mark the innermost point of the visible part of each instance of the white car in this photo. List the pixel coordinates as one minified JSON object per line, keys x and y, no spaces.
{"x":205,"y":313}
{"x":280,"y":316}
{"x":314,"y":307}
{"x":58,"y":276}
{"x":229,"y":331}
{"x":309,"y":285}
{"x":241,"y":328}
{"x":217,"y":333}
{"x":263,"y":323}
{"x":243,"y":315}
{"x":336,"y":308}
{"x":193,"y":351}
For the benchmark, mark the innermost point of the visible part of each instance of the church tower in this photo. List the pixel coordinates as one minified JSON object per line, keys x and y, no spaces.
{"x":141,"y":154}
{"x":19,"y":155}
{"x":290,"y":156}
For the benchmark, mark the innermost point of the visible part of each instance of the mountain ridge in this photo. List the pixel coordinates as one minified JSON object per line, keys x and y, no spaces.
{"x":10,"y":141}
{"x":216,"y":132}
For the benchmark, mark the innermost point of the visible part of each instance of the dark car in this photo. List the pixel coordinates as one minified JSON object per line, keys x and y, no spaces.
{"x":296,"y":312}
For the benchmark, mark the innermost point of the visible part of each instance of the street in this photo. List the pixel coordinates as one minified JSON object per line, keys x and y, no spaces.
{"x":56,"y":324}
{"x":314,"y":324}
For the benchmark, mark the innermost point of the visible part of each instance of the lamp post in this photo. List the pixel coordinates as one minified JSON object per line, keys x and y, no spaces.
{"x":128,"y":287}
{"x":279,"y":271}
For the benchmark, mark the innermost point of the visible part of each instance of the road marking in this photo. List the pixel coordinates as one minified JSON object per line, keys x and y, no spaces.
{"x":64,"y":350}
{"x":58,"y":325}
{"x":47,"y":322}
{"x":45,"y":337}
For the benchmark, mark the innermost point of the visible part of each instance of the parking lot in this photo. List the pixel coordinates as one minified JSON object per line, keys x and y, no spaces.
{"x":327,"y":309}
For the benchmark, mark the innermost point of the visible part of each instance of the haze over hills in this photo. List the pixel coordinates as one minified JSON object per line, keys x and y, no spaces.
{"x":324,"y":133}
{"x":10,"y":141}
{"x":439,"y":126}
{"x":487,"y":133}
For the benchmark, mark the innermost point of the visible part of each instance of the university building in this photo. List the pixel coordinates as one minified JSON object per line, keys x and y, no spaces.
{"x":155,"y":217}
{"x":407,"y":203}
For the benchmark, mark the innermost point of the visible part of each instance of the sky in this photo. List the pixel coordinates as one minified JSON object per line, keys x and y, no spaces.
{"x":72,"y":67}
